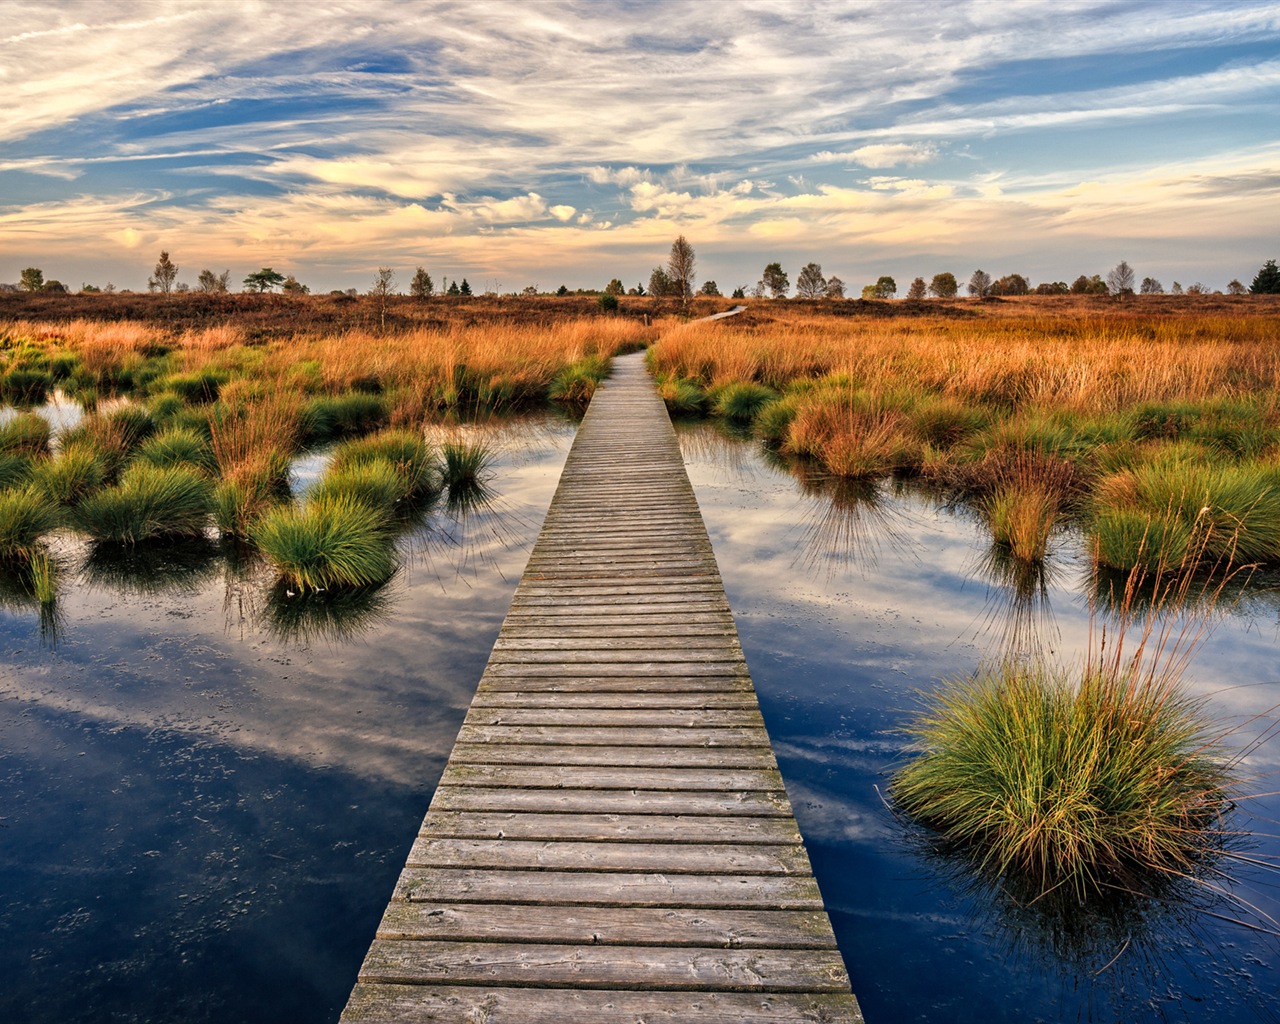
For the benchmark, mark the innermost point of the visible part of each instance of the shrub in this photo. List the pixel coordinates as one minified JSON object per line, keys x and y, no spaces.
{"x":27,"y":434}
{"x":331,"y":416}
{"x":25,"y":516}
{"x":149,"y":502}
{"x":1086,"y":784}
{"x":329,"y":542}
{"x":406,"y":451}
{"x":577,"y":382}
{"x":742,"y":400}
{"x":178,"y":447}
{"x":77,"y":471}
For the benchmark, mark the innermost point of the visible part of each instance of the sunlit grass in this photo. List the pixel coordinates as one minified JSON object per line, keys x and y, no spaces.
{"x":332,"y":541}
{"x":150,"y":502}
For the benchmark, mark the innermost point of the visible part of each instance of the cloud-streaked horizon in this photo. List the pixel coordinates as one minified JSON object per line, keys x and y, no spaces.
{"x":554,"y":143}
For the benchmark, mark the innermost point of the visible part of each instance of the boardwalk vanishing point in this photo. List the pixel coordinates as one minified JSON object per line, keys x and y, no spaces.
{"x":611,"y":840}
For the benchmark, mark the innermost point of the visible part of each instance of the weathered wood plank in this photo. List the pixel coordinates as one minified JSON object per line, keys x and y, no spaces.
{"x":622,"y":736}
{"x":613,"y":699}
{"x":605,"y":967}
{"x":609,"y":889}
{"x":515,"y":756}
{"x":612,"y":926}
{"x":524,"y":776}
{"x":444,"y":1004}
{"x":652,"y":828}
{"x":663,"y":718}
{"x":768,"y":803}
{"x":668,"y":858}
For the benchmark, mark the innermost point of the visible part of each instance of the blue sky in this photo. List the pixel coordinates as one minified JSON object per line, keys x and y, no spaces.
{"x":549,"y":143}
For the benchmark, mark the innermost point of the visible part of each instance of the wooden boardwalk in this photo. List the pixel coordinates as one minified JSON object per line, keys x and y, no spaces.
{"x":610,"y":840}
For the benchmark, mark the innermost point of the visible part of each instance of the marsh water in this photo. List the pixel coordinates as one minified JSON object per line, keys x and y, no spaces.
{"x":208,"y":791}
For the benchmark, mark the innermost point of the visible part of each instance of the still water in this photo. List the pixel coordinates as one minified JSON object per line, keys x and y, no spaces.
{"x":207,"y":795}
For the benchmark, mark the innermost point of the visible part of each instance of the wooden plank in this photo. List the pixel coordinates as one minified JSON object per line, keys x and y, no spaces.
{"x":629,"y":718}
{"x":622,"y":736}
{"x":615,"y":926}
{"x":609,"y":889}
{"x":525,"y":776}
{"x":445,"y":1004}
{"x":653,"y":828}
{"x":769,"y":803}
{"x":514,"y":755}
{"x":605,"y":967}
{"x":668,"y":858}
{"x":613,"y":699}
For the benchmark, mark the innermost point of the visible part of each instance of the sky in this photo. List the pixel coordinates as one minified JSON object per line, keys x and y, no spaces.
{"x":554,"y":143}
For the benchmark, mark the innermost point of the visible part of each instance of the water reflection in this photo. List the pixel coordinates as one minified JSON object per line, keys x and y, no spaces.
{"x":152,"y":569}
{"x":1018,"y":611}
{"x":18,"y":596}
{"x":334,"y":617}
{"x":845,"y":523}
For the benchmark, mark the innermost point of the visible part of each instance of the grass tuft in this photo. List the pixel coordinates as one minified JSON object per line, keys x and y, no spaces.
{"x":25,"y":516}
{"x":329,"y":542}
{"x":742,"y":401}
{"x":26,"y":434}
{"x":150,"y":502}
{"x":577,"y":382}
{"x":178,"y":447}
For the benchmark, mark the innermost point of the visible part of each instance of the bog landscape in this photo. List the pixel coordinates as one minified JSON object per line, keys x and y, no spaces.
{"x":1076,"y":769}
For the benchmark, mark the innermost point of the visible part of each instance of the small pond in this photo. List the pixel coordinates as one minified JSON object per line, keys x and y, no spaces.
{"x":207,"y":795}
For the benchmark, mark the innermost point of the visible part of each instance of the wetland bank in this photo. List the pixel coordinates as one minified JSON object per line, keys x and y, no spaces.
{"x":210,"y":791}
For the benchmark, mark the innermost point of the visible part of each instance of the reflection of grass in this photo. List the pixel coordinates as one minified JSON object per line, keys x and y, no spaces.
{"x":179,"y":566}
{"x":336,"y":616}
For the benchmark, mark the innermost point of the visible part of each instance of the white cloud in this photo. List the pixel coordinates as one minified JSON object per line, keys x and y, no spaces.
{"x":563,"y":213}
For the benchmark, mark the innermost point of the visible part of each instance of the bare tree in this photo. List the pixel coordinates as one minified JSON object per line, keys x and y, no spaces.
{"x":680,"y":267}
{"x":1235,"y":287}
{"x":1120,"y":279}
{"x":835,"y":287}
{"x":980,"y":283}
{"x":1150,"y":286}
{"x":810,"y":284}
{"x":381,"y":290}
{"x":210,"y":283}
{"x":166,"y":273}
{"x":917,"y":290}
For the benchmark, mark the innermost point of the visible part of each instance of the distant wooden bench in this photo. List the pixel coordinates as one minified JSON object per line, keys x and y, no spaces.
{"x":611,"y":840}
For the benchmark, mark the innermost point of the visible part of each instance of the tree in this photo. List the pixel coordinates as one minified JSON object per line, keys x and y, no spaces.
{"x":52,"y":287}
{"x":211,"y":283}
{"x":944,"y":285}
{"x":810,"y":284}
{"x":292,"y":286}
{"x":263,"y":280}
{"x":917,"y":290}
{"x":709,"y":288}
{"x":886,"y":287}
{"x":980,"y":284}
{"x":1089,"y":285}
{"x":615,"y":287}
{"x":776,"y":280}
{"x":868,"y":292}
{"x":165,"y":274}
{"x":835,"y":287}
{"x":608,"y":303}
{"x":1234,"y":287}
{"x":680,"y":267}
{"x":1120,"y":279}
{"x":383,"y":284}
{"x":1011,"y":284}
{"x":1150,"y":286}
{"x":453,"y":288}
{"x":32,"y":279}
{"x":1267,"y":281}
{"x":421,"y":286}
{"x":1192,"y":289}
{"x":740,"y":292}
{"x":1176,"y":289}
{"x":1053,"y":288}
{"x":660,"y":284}
{"x":465,"y":289}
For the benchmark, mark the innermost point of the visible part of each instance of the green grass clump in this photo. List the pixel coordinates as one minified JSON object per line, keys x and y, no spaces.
{"x":331,"y":541}
{"x":774,"y":419}
{"x":150,"y":502}
{"x":14,"y":470}
{"x":199,"y":388}
{"x":26,"y":515}
{"x":26,"y":386}
{"x":347,"y":415}
{"x":742,"y":400}
{"x":77,"y":471}
{"x":1087,"y":784}
{"x":463,"y":463}
{"x":1154,"y":513}
{"x":375,"y":485}
{"x":683,"y":397}
{"x":406,"y":451}
{"x":577,"y":382}
{"x":178,"y":447}
{"x":26,"y":434}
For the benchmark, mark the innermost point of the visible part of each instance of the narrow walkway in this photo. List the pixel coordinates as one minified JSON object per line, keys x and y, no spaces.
{"x":611,"y":840}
